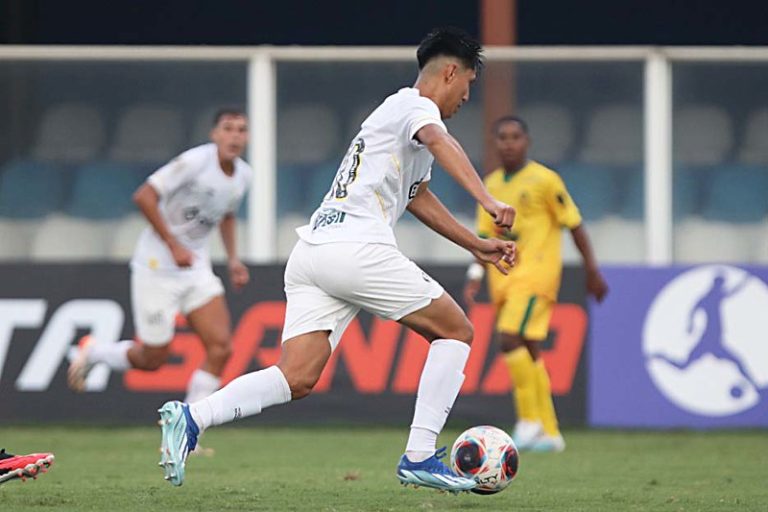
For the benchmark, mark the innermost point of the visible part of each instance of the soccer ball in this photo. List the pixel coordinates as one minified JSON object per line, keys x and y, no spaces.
{"x":488,"y":455}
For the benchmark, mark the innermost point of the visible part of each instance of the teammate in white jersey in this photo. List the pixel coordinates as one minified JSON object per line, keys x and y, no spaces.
{"x":171,"y":269}
{"x":347,"y":260}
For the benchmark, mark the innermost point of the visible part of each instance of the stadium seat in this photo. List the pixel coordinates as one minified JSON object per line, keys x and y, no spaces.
{"x":632,"y":194}
{"x":201,"y":126}
{"x":551,"y":130}
{"x":286,"y":233}
{"x":760,"y":253}
{"x":593,"y":188}
{"x":64,"y":238}
{"x":125,"y":236}
{"x":30,"y":190}
{"x":569,"y":250}
{"x":702,"y":135}
{"x":754,"y":150}
{"x":697,"y":240}
{"x":307,"y":146}
{"x":147,"y":133}
{"x":686,"y":191}
{"x":69,"y":133}
{"x":441,"y":250}
{"x":356,"y":118}
{"x":736,"y":194}
{"x":16,"y":236}
{"x":307,"y":134}
{"x":685,"y":201}
{"x":468,"y":127}
{"x":104,"y":190}
{"x":219,"y":253}
{"x":412,"y":239}
{"x":450,"y":193}
{"x":319,"y":179}
{"x":618,"y":240}
{"x":614,"y":136}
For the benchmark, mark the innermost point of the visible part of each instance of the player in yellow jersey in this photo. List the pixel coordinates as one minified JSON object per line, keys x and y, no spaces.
{"x":524,"y":298}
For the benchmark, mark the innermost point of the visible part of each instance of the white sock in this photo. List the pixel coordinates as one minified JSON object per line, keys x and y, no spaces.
{"x":441,"y":379}
{"x":245,"y":396}
{"x":200,"y":385}
{"x":115,"y":355}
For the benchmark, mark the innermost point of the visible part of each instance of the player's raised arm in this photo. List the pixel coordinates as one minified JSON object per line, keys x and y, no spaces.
{"x":451,"y":156}
{"x":429,"y":210}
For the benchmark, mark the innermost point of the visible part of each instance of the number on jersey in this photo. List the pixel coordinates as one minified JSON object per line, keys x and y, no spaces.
{"x":348,"y":170}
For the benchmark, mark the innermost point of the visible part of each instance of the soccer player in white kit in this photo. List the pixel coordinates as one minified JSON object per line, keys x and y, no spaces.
{"x":171,"y":269}
{"x":347,"y":259}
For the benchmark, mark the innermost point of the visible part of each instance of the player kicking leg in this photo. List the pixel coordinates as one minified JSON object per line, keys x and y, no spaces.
{"x":321,"y":303}
{"x":156,"y":302}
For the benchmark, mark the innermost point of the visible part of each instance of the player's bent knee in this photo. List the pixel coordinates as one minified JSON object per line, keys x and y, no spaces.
{"x":465,"y":333}
{"x":300,"y":384}
{"x":153,"y":362}
{"x":509,"y":342}
{"x":301,"y":388}
{"x":220,"y":352}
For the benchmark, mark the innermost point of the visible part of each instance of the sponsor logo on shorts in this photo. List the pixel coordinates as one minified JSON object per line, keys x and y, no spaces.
{"x":155,"y":318}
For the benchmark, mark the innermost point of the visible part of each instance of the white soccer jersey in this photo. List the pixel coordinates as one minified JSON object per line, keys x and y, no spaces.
{"x":195,"y":194}
{"x":379,"y":175}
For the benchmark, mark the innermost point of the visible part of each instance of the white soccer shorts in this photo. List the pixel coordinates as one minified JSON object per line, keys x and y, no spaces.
{"x":158,"y":298}
{"x":326,"y":285}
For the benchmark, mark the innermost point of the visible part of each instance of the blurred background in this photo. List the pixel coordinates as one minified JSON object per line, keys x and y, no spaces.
{"x":656,"y":118}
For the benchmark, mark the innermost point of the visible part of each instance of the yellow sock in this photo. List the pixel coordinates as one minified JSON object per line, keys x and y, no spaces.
{"x":523,"y":378}
{"x":544,"y":399}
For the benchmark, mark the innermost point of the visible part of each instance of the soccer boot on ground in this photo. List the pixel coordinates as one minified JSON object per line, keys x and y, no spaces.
{"x":80,"y":367}
{"x":526,"y":433}
{"x":23,"y":466}
{"x":432,"y":473}
{"x":545,"y":443}
{"x":179,"y":438}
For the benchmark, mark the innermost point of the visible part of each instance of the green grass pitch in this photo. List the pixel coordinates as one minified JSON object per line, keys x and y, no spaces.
{"x":351,"y":469}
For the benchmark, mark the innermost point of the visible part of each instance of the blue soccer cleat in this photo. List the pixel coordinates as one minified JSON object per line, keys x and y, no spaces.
{"x":432,"y":473}
{"x":179,"y":438}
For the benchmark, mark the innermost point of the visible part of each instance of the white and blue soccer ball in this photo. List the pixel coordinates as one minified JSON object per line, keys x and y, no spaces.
{"x":488,"y":455}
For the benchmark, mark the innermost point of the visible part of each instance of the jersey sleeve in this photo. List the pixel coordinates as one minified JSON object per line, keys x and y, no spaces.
{"x":419,"y":114}
{"x":177,"y":172}
{"x":561,"y":204}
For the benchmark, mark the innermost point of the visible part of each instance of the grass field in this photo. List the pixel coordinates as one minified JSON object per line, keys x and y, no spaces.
{"x":338,"y":469}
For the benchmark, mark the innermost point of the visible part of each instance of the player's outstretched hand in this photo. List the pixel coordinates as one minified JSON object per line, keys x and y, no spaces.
{"x":238,"y":274}
{"x":503,"y":214}
{"x":493,"y":250}
{"x":181,"y":255}
{"x":596,"y":285}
